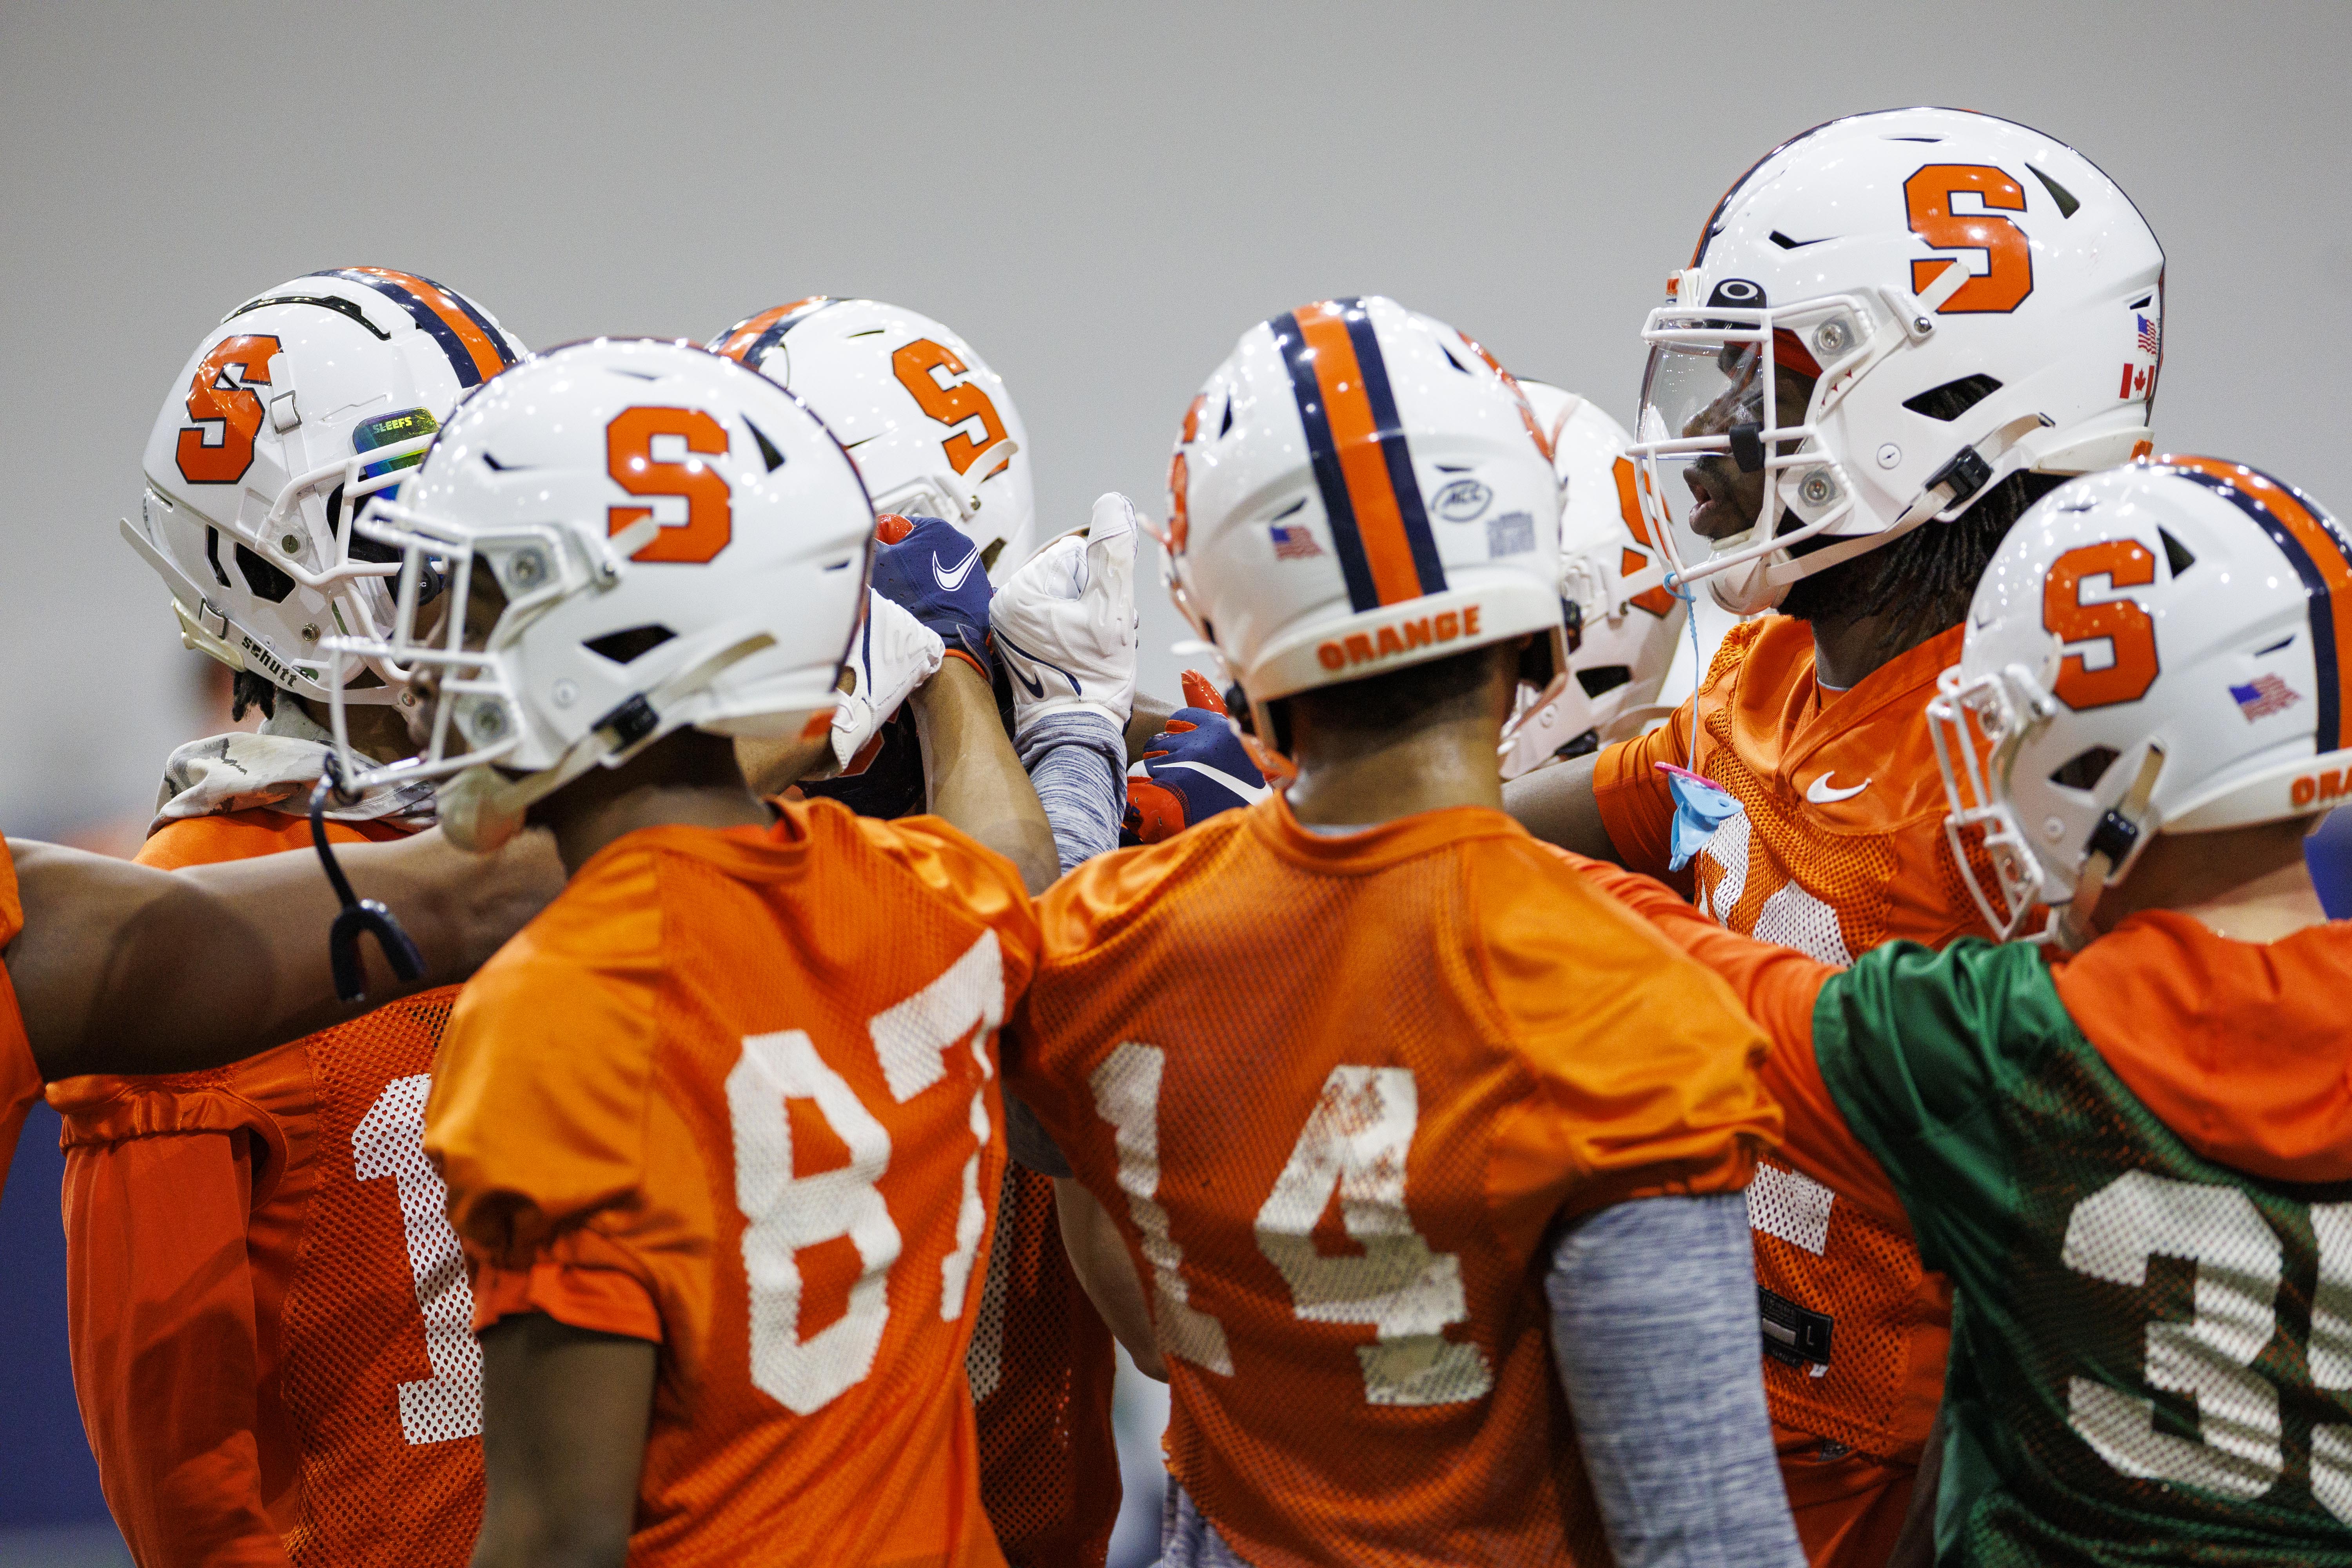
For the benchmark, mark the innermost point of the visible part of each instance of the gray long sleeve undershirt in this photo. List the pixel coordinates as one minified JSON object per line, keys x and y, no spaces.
{"x":1653,"y":1331}
{"x":1653,"y":1334}
{"x":1078,"y":763}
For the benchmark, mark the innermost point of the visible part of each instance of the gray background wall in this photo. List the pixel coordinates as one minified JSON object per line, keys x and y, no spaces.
{"x":1100,"y":197}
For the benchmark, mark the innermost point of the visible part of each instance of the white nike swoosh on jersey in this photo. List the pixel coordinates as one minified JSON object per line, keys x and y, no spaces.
{"x":1822,"y":793}
{"x":1250,"y":793}
{"x":951,"y":580}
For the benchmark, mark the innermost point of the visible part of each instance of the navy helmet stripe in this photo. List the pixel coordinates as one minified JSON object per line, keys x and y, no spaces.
{"x":461,"y":358}
{"x":1394,"y":450}
{"x":776,"y":331}
{"x":1290,"y":341}
{"x":2325,"y":653}
{"x":490,"y":329}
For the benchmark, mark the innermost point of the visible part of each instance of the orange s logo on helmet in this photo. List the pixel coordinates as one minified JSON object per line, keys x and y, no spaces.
{"x":1179,"y":526}
{"x":629,"y":457}
{"x":214,"y":397}
{"x":1658,"y":601}
{"x":2126,"y":627}
{"x":2009,"y":274}
{"x":913,"y":366}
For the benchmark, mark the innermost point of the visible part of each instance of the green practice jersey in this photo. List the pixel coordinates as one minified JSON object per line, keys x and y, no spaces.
{"x":2151,"y":1354}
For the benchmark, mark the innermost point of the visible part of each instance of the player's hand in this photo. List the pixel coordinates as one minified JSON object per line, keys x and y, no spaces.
{"x":1066,"y":622}
{"x":892,"y":654}
{"x":931,"y":570}
{"x":1196,"y":767}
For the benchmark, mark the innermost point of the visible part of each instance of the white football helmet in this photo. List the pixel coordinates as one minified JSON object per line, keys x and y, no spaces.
{"x":303,"y":402}
{"x":677,"y":541}
{"x":1973,"y":299}
{"x":1625,"y":621}
{"x":930,"y":425}
{"x":1358,"y":488}
{"x":2157,"y":647}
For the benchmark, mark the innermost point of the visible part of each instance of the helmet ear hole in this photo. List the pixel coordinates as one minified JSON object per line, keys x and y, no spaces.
{"x":2084,"y":770}
{"x":1603,"y":679}
{"x":1954,"y":398}
{"x":630,"y":644}
{"x":267,"y":582}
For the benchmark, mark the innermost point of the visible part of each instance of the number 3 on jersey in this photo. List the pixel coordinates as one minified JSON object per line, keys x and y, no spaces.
{"x":2240,"y":1262}
{"x":1356,"y":1142}
{"x":782,"y":1091}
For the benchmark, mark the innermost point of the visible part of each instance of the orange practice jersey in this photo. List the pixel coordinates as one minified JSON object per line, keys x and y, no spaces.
{"x":734,"y":1092}
{"x":1336,"y":1092}
{"x":1839,"y":846}
{"x":271,"y":1333}
{"x":20,"y":1076}
{"x":1041,"y":1365}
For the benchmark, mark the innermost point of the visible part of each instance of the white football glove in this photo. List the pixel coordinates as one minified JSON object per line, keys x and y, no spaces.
{"x":1066,"y":622}
{"x":892,"y":654}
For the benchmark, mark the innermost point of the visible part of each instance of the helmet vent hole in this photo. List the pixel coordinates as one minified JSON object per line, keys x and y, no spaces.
{"x":1451,"y":360}
{"x":1603,"y":677}
{"x":2085,"y":769}
{"x":768,"y":453}
{"x":2058,"y":193}
{"x":1289,"y":510}
{"x":2175,"y":552}
{"x":1954,"y":398}
{"x":266,"y":581}
{"x":2143,"y":302}
{"x":1225,"y":426}
{"x":626,"y":645}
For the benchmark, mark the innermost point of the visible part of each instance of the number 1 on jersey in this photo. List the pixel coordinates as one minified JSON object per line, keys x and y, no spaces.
{"x":1355,"y":1145}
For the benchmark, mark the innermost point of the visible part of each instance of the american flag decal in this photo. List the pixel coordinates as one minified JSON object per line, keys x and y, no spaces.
{"x":1293,"y":542}
{"x":2264,"y":696}
{"x":2149,"y":337}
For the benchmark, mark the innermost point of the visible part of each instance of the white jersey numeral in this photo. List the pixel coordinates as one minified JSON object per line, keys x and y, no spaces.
{"x":2238,"y":1265}
{"x":1355,"y":1144}
{"x":2330,"y":1355}
{"x":787,"y":1213}
{"x":1355,"y":1141}
{"x":390,"y":1142}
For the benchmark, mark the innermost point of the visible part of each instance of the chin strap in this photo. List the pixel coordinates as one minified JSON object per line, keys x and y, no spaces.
{"x":2112,"y":843}
{"x":358,"y":914}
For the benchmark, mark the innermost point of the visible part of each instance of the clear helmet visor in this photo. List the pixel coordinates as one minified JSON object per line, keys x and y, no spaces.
{"x":1730,"y":463}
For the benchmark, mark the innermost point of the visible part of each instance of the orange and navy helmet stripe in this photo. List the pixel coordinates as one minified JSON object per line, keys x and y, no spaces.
{"x":2315,"y":546}
{"x":747,"y":342}
{"x":1355,"y":440}
{"x":476,"y":350}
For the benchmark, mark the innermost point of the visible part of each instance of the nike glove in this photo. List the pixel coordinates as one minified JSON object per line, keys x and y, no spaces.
{"x":1195,"y":768}
{"x":1066,"y":622}
{"x":933,"y":572}
{"x":892,"y":654}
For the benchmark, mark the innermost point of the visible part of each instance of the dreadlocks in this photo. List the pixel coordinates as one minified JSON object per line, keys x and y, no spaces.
{"x":1921,"y":583}
{"x":250,"y":690}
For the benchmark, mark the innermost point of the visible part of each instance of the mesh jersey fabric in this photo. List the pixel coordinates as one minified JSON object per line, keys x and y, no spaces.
{"x":1857,"y":1329}
{"x":20,"y":1075}
{"x":734,"y":1092}
{"x":269,"y":1325}
{"x":2152,"y":1351}
{"x":1336,"y":1091}
{"x":1041,"y":1366}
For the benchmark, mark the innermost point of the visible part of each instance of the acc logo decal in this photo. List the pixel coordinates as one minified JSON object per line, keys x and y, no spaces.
{"x":1464,"y":501}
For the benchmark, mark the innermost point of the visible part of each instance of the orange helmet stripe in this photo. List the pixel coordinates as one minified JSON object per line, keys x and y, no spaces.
{"x":748,"y":340}
{"x":472,"y":345}
{"x":2315,"y":544}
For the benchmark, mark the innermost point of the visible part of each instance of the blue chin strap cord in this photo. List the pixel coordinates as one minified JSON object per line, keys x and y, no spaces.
{"x":358,"y":914}
{"x":1701,"y":806}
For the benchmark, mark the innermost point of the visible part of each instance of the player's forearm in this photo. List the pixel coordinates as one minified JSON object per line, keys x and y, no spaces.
{"x":564,"y":1414}
{"x":124,"y":969}
{"x":1098,"y":1257}
{"x":1074,"y":763}
{"x":1655,"y":1333}
{"x":975,"y":782}
{"x":1556,"y":804}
